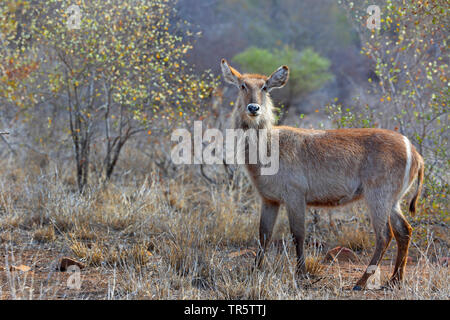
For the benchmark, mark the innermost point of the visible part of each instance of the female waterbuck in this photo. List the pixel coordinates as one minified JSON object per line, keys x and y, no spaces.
{"x":328,"y":168}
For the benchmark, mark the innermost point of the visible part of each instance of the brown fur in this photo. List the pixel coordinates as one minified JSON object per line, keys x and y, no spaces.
{"x":328,"y":168}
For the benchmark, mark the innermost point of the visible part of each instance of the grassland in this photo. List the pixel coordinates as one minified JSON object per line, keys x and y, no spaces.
{"x":145,"y":235}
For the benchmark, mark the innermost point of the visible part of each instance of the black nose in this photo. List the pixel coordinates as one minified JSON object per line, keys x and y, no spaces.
{"x":253,"y":108}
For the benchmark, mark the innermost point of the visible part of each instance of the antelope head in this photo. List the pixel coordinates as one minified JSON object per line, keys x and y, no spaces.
{"x":253,"y":107}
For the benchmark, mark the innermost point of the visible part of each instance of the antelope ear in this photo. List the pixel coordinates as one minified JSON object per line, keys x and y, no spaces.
{"x":230,"y":74}
{"x":278,"y":79}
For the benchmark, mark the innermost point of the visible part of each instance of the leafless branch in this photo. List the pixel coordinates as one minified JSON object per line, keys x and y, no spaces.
{"x":6,"y":142}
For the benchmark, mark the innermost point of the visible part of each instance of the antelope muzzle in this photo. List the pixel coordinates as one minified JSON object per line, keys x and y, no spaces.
{"x":253,"y":109}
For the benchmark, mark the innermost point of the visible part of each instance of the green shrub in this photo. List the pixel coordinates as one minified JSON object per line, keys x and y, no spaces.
{"x":308,"y":69}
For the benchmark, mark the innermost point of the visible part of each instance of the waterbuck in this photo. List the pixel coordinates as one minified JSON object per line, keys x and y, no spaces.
{"x":328,"y":168}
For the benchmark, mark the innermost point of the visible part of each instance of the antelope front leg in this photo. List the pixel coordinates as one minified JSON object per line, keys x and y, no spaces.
{"x":296,"y":212}
{"x":269,"y":213}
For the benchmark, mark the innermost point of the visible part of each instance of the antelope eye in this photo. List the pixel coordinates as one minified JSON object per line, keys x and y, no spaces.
{"x":264,"y":88}
{"x":243,"y":86}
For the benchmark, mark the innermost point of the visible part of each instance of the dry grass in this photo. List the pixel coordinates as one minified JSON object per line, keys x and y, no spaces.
{"x":355,"y":239}
{"x":314,"y":265}
{"x":174,"y":238}
{"x":45,"y":234}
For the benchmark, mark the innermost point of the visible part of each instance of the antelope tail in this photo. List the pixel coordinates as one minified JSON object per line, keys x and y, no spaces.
{"x":415,"y":199}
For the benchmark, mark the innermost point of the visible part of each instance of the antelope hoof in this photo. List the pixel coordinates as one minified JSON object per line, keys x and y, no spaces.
{"x":387,"y":287}
{"x":301,"y":275}
{"x":257,"y":265}
{"x":300,"y":270}
{"x":393,"y":283}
